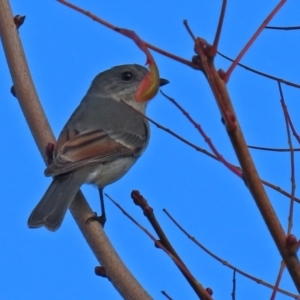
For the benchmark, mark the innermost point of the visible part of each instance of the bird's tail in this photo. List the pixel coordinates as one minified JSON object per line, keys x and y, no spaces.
{"x":50,"y":211}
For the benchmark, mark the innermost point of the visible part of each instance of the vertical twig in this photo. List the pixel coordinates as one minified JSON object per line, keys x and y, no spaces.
{"x":233,"y":285}
{"x":292,"y":155}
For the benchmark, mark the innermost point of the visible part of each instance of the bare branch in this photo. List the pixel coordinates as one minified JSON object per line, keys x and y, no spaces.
{"x":120,"y":276}
{"x":283,"y":27}
{"x":224,"y":262}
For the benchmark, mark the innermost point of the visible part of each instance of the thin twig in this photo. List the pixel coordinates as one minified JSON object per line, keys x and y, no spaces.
{"x":166,"y":295}
{"x":283,"y":27}
{"x":292,"y":155}
{"x":295,"y":134}
{"x":185,"y":23}
{"x":262,"y":73}
{"x":278,"y":279}
{"x":148,"y":211}
{"x":233,"y":284}
{"x":107,"y":24}
{"x":201,"y":292}
{"x":211,"y":155}
{"x":214,"y":48}
{"x":224,"y":262}
{"x":273,"y":149}
{"x":235,"y":170}
{"x":253,"y":38}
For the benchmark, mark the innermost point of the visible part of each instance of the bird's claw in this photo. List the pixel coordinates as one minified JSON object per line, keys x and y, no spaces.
{"x":101,"y":219}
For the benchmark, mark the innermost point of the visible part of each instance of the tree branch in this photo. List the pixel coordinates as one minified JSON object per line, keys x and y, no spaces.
{"x":117,"y":272}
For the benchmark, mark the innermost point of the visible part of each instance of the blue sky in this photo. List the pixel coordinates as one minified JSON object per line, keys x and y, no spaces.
{"x":65,"y":50}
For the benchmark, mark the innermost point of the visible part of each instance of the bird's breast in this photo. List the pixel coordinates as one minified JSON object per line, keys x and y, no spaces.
{"x":107,"y":173}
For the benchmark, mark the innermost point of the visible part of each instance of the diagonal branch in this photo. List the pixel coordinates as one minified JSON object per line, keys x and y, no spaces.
{"x":111,"y":26}
{"x":119,"y":275}
{"x":250,"y":173}
{"x":225,"y":262}
{"x":277,"y":79}
{"x":253,"y":38}
{"x":200,"y":291}
{"x":211,"y":155}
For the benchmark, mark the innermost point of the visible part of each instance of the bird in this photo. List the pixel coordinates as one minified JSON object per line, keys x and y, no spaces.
{"x":100,"y":142}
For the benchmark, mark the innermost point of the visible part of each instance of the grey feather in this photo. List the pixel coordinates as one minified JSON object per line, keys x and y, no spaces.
{"x":50,"y":211}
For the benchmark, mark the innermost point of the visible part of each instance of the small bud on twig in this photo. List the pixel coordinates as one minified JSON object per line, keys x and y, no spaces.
{"x":100,"y":271}
{"x":13,"y":91}
{"x":19,"y":20}
{"x":210,"y":291}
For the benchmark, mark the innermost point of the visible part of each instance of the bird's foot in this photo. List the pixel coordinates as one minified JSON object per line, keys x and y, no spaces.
{"x":101,"y":219}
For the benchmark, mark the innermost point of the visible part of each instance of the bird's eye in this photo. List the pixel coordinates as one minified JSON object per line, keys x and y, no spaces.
{"x":126,"y":76}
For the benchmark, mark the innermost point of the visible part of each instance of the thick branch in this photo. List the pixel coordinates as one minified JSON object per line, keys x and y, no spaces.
{"x":117,"y":272}
{"x":250,"y":173}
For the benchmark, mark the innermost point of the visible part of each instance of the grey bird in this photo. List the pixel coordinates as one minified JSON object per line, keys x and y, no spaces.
{"x":100,"y":142}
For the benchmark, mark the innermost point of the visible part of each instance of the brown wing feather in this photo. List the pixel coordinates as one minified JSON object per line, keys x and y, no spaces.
{"x":74,"y":150}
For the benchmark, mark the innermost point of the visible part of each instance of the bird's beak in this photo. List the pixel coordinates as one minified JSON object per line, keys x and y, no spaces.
{"x":163,"y":81}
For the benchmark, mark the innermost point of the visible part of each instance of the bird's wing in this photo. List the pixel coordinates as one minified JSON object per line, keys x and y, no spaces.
{"x":74,"y":150}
